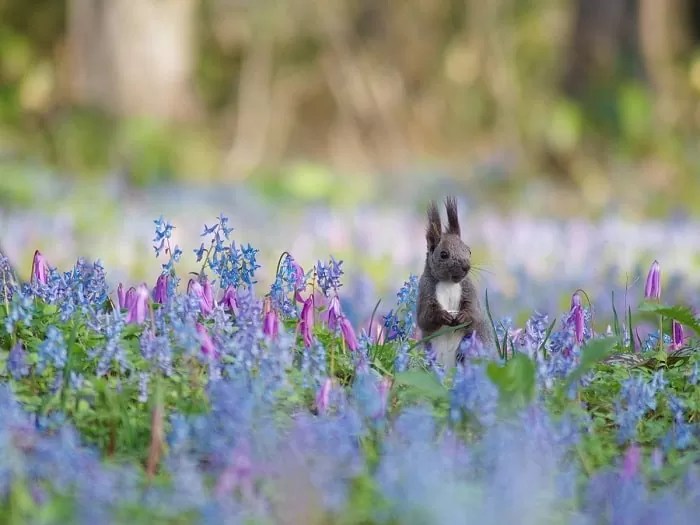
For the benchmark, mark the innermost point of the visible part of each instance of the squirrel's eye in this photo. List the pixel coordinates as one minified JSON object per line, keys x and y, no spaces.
{"x":444,"y":254}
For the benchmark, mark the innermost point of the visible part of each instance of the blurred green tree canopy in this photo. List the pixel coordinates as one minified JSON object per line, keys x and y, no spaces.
{"x":595,"y":94}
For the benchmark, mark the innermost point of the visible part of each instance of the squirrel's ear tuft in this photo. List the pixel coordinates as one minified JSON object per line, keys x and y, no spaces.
{"x":433,"y":231}
{"x":452,"y":219}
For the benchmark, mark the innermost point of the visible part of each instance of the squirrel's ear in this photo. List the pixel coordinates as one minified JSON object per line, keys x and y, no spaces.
{"x":452,"y":219}
{"x":433,"y":231}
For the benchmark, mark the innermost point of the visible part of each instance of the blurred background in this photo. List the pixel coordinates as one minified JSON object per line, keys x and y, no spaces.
{"x":567,"y":128}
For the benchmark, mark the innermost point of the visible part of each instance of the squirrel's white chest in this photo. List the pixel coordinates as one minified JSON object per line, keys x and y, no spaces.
{"x":449,"y":295}
{"x":445,"y":346}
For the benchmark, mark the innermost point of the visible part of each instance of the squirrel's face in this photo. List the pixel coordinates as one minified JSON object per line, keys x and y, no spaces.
{"x":450,"y":260}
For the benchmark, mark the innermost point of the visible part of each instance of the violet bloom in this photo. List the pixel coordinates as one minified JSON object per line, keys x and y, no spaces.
{"x":271,"y":324}
{"x":652,"y":290}
{"x":137,"y":310}
{"x":323,"y":397}
{"x":677,"y":335}
{"x":129,"y":297}
{"x":334,"y":313}
{"x":230,"y":300}
{"x":631,"y":462}
{"x":40,"y":268}
{"x":299,"y":281}
{"x":348,"y":334}
{"x":160,"y":292}
{"x":121,"y":296}
{"x":207,"y":344}
{"x":195,"y":289}
{"x":208,"y":294}
{"x":579,"y":320}
{"x":307,"y":321}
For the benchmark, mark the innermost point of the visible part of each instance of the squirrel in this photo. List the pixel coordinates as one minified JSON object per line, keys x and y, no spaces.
{"x":446,"y":294}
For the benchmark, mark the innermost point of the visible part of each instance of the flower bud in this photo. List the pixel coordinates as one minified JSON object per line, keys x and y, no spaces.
{"x":307,"y":321}
{"x":160,"y":292}
{"x":138,"y":307}
{"x":652,"y":289}
{"x":195,"y":289}
{"x":40,"y":268}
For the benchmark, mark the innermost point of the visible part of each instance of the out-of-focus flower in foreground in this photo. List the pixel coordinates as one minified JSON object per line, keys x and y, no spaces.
{"x":207,"y":343}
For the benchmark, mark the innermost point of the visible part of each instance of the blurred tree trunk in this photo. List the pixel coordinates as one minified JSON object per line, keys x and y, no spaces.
{"x":665,"y":33}
{"x":133,"y":57}
{"x":602,"y":31}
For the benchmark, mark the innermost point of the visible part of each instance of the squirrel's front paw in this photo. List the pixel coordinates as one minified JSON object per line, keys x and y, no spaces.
{"x":462,"y":318}
{"x":446,"y":318}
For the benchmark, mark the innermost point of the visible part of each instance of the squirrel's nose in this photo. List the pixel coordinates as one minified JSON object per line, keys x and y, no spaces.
{"x":465,"y":267}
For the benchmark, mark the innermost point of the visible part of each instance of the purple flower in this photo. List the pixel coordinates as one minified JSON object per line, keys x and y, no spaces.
{"x":652,"y":290}
{"x":578,"y":317}
{"x":323,"y":396}
{"x":160,"y":292}
{"x":129,"y":297}
{"x":17,"y":361}
{"x":40,"y":268}
{"x":206,"y":303}
{"x":208,"y":294}
{"x":307,"y":321}
{"x":121,"y":296}
{"x":677,"y":335}
{"x":631,"y":462}
{"x":206,"y":341}
{"x":229,"y":300}
{"x":138,"y":307}
{"x":334,"y":312}
{"x":348,"y":333}
{"x":271,"y":324}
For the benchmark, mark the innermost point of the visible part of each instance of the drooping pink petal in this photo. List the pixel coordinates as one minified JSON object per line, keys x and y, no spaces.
{"x":652,"y":289}
{"x":207,"y":344}
{"x":348,"y":333}
{"x":333,"y":313}
{"x":230,"y":300}
{"x":121,"y":296}
{"x":195,"y":289}
{"x":678,"y":335}
{"x":323,"y":397}
{"x":160,"y":292}
{"x":306,"y":323}
{"x":137,"y":309}
{"x":40,"y":268}
{"x":271,"y":324}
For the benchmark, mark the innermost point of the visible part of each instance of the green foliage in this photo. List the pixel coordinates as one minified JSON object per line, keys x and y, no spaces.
{"x":515,"y":381}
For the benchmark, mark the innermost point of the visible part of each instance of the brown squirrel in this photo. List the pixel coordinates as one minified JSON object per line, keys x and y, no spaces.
{"x":446,"y":295}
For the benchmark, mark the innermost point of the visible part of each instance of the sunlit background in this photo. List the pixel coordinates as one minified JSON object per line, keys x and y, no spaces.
{"x":568,"y":130}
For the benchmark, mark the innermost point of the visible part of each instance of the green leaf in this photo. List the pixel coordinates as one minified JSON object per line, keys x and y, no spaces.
{"x":515,"y":380}
{"x":682,"y":314}
{"x":593,"y":352}
{"x":426,"y":384}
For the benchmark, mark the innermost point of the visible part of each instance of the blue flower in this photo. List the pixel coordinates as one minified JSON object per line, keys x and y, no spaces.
{"x":53,"y":350}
